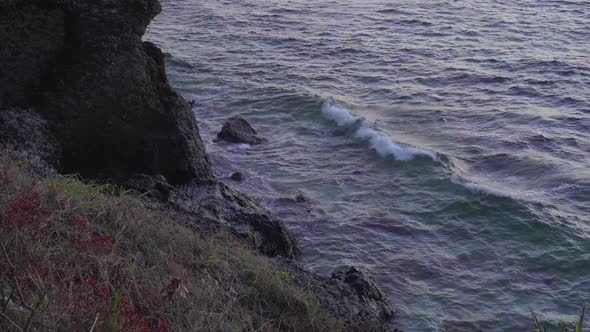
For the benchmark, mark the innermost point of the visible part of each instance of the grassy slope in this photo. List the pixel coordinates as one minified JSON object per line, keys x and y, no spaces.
{"x":77,"y":256}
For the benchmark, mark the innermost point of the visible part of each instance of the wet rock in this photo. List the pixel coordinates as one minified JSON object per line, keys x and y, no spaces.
{"x":84,"y":66}
{"x":237,"y":130}
{"x":237,"y":176}
{"x":213,"y":201}
{"x":300,"y":198}
{"x":365,"y":286}
{"x":341,"y":299}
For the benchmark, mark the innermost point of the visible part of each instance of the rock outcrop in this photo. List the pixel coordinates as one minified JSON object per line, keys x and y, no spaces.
{"x":28,"y":138}
{"x":82,"y":64}
{"x":80,"y":91}
{"x":365,"y":286}
{"x":237,"y":130}
{"x":345,"y":295}
{"x":215,"y":202}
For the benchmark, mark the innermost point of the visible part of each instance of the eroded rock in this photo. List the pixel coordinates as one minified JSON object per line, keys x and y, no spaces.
{"x":237,"y":130}
{"x":214,"y":201}
{"x":341,"y":299}
{"x":30,"y":139}
{"x":365,"y":286}
{"x":84,"y":66}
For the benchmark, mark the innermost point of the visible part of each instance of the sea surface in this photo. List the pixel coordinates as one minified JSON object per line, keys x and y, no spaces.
{"x":443,"y":144}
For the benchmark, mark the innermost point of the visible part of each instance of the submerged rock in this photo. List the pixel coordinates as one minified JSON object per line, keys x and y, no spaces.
{"x":213,"y":201}
{"x":300,"y":198}
{"x":237,"y":130}
{"x":237,"y":176}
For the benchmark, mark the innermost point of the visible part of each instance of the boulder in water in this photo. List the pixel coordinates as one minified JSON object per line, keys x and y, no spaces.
{"x":237,"y":176}
{"x":237,"y":130}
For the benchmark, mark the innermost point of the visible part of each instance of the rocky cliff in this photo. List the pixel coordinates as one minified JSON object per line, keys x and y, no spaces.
{"x":81,"y":92}
{"x":83,"y":65}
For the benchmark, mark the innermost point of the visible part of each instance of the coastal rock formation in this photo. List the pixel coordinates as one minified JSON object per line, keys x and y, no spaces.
{"x":215,"y":202}
{"x":348,"y":294}
{"x":365,"y":286}
{"x":29,"y":139}
{"x":237,"y":130}
{"x":83,"y":65}
{"x":81,"y":92}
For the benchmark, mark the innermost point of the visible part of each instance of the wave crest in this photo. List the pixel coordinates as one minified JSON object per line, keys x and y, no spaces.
{"x":381,"y":143}
{"x":338,"y":114}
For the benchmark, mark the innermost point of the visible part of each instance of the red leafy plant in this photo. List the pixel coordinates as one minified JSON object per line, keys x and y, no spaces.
{"x":60,"y":268}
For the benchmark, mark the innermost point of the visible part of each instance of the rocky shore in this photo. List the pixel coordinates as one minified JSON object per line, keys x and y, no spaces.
{"x":81,"y":93}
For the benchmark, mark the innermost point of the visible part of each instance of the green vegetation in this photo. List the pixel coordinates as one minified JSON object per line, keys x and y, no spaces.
{"x":79,"y":256}
{"x":562,"y":326}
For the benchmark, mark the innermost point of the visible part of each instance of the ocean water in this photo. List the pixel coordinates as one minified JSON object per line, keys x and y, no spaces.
{"x":443,"y":144}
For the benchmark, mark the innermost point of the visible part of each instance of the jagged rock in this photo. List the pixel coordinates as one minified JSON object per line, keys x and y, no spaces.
{"x":237,"y":176}
{"x":82,"y":64}
{"x":29,"y":139}
{"x":214,"y":201}
{"x":366,"y":288}
{"x":237,"y":130}
{"x":339,"y":298}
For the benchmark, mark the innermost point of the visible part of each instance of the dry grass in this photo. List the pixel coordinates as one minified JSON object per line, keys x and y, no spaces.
{"x":77,"y":256}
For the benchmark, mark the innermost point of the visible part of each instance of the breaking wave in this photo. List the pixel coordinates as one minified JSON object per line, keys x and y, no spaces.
{"x":384,"y":145}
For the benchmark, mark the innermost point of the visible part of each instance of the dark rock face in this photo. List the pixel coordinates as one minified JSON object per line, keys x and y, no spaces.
{"x":216,"y":202}
{"x":237,"y":130}
{"x":29,"y":137}
{"x":345,"y":295}
{"x":31,"y":39}
{"x":83,"y":65}
{"x":365,"y":286}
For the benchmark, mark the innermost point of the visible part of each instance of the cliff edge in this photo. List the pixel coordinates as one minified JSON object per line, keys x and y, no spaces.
{"x":82,"y":65}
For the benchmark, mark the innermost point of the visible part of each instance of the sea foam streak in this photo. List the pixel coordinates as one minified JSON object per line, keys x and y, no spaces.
{"x":379,"y":142}
{"x":478,"y":187}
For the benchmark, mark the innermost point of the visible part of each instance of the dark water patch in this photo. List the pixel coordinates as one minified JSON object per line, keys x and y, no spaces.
{"x":416,"y":22}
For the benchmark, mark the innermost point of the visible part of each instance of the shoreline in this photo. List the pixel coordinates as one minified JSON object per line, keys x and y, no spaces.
{"x":64,"y":112}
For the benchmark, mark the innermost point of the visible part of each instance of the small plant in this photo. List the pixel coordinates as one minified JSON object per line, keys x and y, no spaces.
{"x":562,"y":326}
{"x":280,"y":278}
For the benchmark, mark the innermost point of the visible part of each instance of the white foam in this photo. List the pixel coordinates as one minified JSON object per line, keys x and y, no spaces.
{"x":379,"y":142}
{"x":341,"y":116}
{"x":385,"y":146}
{"x":476,"y":187}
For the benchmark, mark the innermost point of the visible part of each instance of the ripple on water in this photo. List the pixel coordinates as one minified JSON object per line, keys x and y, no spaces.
{"x":491,"y":99}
